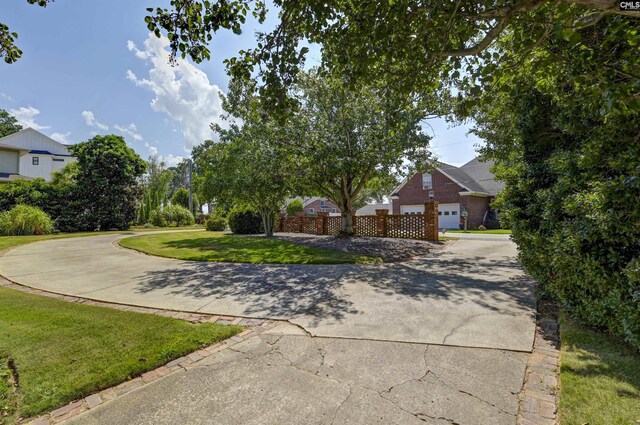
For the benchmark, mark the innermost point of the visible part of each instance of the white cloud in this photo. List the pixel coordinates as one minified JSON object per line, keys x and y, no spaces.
{"x":183,"y":92}
{"x":26,"y":117}
{"x":91,"y":120}
{"x":61,"y":137}
{"x":130,"y":130}
{"x":6,"y":96}
{"x":171,"y":160}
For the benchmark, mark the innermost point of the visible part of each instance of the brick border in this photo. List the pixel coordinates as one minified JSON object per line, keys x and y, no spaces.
{"x":538,"y":400}
{"x":255,"y":327}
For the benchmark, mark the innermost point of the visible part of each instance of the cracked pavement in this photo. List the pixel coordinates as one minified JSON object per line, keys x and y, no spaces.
{"x":278,"y":377}
{"x":442,"y":339}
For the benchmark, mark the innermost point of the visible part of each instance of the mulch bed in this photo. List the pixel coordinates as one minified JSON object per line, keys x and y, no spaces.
{"x":389,"y":249}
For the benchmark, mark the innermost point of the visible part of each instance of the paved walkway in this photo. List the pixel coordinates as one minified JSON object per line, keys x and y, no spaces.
{"x":472,"y":294}
{"x":439,"y":340}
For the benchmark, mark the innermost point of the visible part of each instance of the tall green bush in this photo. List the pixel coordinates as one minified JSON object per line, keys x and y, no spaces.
{"x":294,"y":207}
{"x":25,"y":220}
{"x":215,"y":224}
{"x":178,"y":215}
{"x":572,"y":198}
{"x":245,"y":221}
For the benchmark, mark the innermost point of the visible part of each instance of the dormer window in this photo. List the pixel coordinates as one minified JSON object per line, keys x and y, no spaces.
{"x":427,"y":181}
{"x":35,"y":160}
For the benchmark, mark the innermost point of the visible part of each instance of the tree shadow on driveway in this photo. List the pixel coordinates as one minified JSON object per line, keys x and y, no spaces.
{"x":333,"y":291}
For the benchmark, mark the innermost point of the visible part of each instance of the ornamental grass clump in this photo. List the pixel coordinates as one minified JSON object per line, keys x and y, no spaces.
{"x":25,"y":220}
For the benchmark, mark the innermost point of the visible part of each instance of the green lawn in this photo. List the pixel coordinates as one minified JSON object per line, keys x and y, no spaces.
{"x":484,"y":232}
{"x":599,"y":378}
{"x":216,"y":246}
{"x":8,"y":403}
{"x":64,"y":351}
{"x":11,"y":241}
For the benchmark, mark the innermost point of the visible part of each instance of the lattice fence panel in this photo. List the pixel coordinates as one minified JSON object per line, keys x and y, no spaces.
{"x":291,"y":225}
{"x":333,"y":225}
{"x":405,"y":226}
{"x":365,"y":225}
{"x":309,"y":225}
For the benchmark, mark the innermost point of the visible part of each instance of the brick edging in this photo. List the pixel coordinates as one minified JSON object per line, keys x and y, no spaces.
{"x":538,"y":400}
{"x":255,"y":327}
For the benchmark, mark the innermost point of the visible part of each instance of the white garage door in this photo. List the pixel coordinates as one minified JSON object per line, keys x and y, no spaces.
{"x":449,"y":216}
{"x":412,"y":209}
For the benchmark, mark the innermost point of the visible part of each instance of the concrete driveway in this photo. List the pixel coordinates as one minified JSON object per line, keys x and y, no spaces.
{"x":438,"y":340}
{"x":471,"y":294}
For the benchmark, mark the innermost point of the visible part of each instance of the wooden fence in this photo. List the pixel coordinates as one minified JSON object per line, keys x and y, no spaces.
{"x":383,"y":224}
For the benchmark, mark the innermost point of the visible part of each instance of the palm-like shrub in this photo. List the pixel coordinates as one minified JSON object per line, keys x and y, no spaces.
{"x":25,"y":220}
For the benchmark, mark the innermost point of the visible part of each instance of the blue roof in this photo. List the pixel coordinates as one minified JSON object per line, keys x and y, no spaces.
{"x":37,"y":152}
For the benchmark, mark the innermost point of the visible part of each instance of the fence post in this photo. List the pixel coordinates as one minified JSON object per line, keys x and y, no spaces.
{"x":321,"y":223}
{"x":431,"y":220}
{"x":381,"y":222}
{"x":281,"y":222}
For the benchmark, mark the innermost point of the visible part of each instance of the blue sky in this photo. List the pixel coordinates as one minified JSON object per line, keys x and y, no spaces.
{"x":90,"y":67}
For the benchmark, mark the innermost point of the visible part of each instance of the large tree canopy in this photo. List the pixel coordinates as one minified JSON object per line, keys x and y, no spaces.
{"x":414,"y":46}
{"x":340,"y":139}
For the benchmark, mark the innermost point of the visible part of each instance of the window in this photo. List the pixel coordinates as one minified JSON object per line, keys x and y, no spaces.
{"x":446,"y":213}
{"x":323,"y":203}
{"x":311,"y":211}
{"x":439,"y":212}
{"x":334,"y":210}
{"x":427,"y":181}
{"x":58,"y":160}
{"x":454,"y":212}
{"x":35,"y":160}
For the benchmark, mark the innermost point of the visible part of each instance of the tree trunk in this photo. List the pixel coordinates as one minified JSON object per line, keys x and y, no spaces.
{"x":346,"y":227}
{"x":267,"y":222}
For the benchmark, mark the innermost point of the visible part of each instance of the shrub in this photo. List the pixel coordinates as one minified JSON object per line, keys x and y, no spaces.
{"x":157,"y":218}
{"x":245,"y":221}
{"x":215,"y":224}
{"x":294,"y":207}
{"x":202,"y":218}
{"x":25,"y":220}
{"x":178,"y":215}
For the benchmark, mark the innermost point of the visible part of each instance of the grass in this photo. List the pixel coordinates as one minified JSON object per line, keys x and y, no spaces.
{"x":599,"y":378}
{"x":217,"y":246}
{"x":12,"y":241}
{"x":65,"y":351}
{"x":7,"y":395}
{"x":484,"y":232}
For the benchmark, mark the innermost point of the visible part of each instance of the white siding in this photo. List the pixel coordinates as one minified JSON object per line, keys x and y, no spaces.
{"x":35,"y":144}
{"x":8,"y":161}
{"x":30,"y":139}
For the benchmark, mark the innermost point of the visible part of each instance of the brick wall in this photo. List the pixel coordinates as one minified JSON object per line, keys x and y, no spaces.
{"x":445,"y":191}
{"x":316,"y":207}
{"x":476,"y":207}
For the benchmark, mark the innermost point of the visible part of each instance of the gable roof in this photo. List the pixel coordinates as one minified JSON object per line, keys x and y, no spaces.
{"x":474,"y":176}
{"x":480,"y":172}
{"x":29,"y":139}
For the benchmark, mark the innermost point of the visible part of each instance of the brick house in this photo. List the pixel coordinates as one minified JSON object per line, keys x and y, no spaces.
{"x":470,"y":188}
{"x":316,"y":204}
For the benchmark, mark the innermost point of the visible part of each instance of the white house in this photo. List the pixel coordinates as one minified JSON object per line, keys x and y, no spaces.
{"x":29,"y":154}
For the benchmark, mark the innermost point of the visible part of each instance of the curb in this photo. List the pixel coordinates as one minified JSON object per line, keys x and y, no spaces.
{"x":538,"y":400}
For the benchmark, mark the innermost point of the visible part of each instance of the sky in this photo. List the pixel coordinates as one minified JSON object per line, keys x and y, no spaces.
{"x":91,"y":67}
